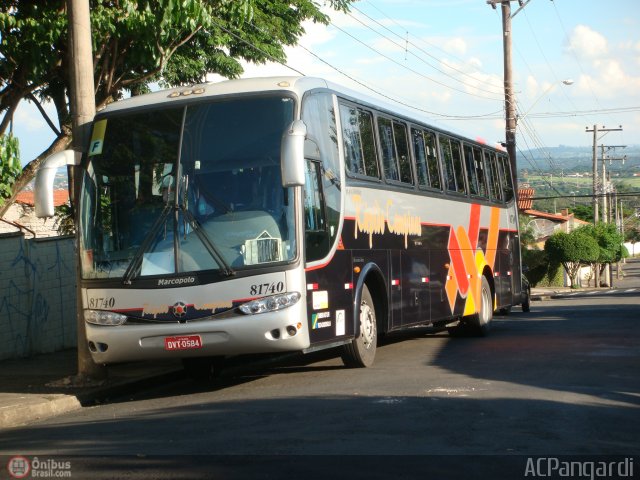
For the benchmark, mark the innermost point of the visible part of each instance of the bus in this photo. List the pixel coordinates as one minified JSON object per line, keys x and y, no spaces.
{"x":283,"y":214}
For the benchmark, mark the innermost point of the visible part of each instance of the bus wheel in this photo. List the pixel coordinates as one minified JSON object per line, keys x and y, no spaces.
{"x":203,"y":369}
{"x":479,"y":323}
{"x":362,"y":350}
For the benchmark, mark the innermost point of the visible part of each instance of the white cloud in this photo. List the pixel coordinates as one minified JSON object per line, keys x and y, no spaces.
{"x":587,"y":43}
{"x":456,"y":45}
{"x":609,"y":81}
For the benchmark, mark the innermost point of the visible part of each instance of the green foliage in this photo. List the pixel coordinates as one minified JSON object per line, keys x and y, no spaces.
{"x":623,"y":252}
{"x":608,"y":238}
{"x":64,"y":223}
{"x":542,"y":272}
{"x":572,"y":250}
{"x":632,"y":235}
{"x":9,"y":164}
{"x":138,"y":43}
{"x":527,"y":237}
{"x":583,"y":212}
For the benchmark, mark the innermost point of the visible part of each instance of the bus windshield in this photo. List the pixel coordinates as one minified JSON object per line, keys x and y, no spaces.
{"x":181,"y":190}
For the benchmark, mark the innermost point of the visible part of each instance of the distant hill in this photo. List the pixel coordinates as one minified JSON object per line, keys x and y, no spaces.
{"x":576,"y":159}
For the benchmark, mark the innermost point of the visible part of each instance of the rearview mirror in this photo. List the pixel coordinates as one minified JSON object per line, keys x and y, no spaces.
{"x":43,"y":191}
{"x":292,"y":154}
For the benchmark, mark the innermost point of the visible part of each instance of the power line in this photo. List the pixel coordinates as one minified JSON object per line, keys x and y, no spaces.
{"x":407,"y":42}
{"x":431,"y":45}
{"x":254,"y":46}
{"x":442,"y":84}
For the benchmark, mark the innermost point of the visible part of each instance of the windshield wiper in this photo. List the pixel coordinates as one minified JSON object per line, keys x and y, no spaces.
{"x":136,"y":261}
{"x":206,"y":241}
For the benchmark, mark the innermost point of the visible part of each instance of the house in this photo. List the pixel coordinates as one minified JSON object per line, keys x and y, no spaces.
{"x":544,"y":224}
{"x":21,"y":215}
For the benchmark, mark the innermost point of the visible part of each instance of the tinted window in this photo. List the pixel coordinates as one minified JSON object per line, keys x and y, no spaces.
{"x":472,"y":177}
{"x":428,"y":169}
{"x":479,"y":164}
{"x":432,"y":159}
{"x":493,"y":180}
{"x":402,"y":149}
{"x":447,"y":162}
{"x":319,"y":115}
{"x":505,"y":174}
{"x":452,"y":161}
{"x":420,"y":152}
{"x":359,"y":146}
{"x":389,"y":161}
{"x":457,"y":165}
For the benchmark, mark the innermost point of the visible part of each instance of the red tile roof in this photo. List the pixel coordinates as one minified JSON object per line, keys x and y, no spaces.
{"x":525,"y":198}
{"x":550,"y":216}
{"x":60,"y":197}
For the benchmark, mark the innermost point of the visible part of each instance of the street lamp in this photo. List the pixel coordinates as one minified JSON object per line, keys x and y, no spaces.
{"x":567,"y":82}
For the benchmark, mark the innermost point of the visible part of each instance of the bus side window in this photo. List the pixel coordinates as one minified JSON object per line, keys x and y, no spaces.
{"x":479,"y":166}
{"x":358,"y":139}
{"x":493,"y":180}
{"x":432,"y":159}
{"x":351,"y":139}
{"x":420,"y":153}
{"x":316,"y":237}
{"x":507,"y":180}
{"x":447,"y":162}
{"x":454,"y":177}
{"x":472,"y":177}
{"x":402,"y":150}
{"x":389,"y":160}
{"x":365,"y":120}
{"x":457,"y":165}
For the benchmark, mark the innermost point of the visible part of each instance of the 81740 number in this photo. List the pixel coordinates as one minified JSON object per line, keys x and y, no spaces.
{"x":102,"y":302}
{"x":266,"y":288}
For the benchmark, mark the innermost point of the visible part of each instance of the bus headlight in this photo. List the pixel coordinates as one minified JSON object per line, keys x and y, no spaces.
{"x":270,"y":304}
{"x":101,"y":317}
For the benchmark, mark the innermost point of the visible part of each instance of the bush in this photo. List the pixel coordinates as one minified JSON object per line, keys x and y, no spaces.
{"x":541,"y":272}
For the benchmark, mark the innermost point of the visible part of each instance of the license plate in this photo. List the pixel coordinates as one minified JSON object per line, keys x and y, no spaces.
{"x":184,"y":342}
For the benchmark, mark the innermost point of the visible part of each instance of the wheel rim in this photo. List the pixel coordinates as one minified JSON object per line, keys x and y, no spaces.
{"x":367,"y":324}
{"x":486,"y":307}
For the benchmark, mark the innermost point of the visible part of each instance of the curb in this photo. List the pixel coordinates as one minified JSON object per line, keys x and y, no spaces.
{"x":21,"y":409}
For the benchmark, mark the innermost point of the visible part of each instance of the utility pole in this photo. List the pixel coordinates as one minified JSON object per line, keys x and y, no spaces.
{"x":595,"y":131}
{"x":83,"y":109}
{"x":509,"y":98}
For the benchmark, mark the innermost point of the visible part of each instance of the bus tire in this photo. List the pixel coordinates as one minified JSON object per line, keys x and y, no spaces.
{"x":479,"y":323}
{"x":361,"y":351}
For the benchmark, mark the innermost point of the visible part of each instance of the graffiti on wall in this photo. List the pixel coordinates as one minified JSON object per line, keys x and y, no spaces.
{"x":37,"y":296}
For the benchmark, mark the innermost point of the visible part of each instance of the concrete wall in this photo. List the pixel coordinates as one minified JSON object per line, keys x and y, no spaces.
{"x":37,"y":295}
{"x":25,"y":215}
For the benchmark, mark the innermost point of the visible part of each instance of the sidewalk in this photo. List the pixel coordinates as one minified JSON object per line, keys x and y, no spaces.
{"x":39,"y":387}
{"x":631,"y":279}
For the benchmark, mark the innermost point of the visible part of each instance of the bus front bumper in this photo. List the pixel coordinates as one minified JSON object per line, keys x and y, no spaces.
{"x":279,"y":331}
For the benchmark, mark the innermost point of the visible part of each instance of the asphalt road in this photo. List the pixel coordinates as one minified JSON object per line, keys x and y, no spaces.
{"x":560,"y":380}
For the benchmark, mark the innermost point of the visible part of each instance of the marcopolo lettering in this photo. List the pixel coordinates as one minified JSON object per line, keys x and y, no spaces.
{"x":166,"y":282}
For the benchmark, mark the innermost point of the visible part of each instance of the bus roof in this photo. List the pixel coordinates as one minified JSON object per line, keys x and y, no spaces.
{"x":296,"y":84}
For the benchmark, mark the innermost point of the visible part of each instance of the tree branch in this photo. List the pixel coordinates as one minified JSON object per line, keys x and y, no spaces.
{"x":29,"y":171}
{"x":33,"y":98}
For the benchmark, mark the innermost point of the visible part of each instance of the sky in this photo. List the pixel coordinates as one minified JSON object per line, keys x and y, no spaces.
{"x":576,"y":64}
